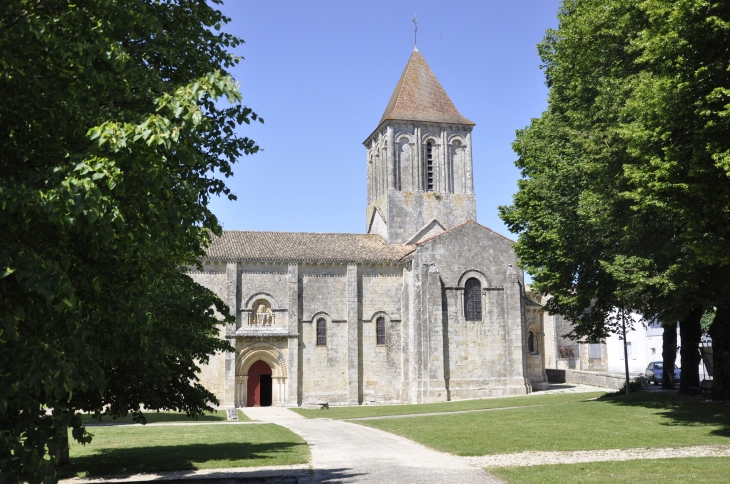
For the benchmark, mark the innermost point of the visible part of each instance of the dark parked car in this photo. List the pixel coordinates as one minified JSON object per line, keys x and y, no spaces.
{"x":655,"y":370}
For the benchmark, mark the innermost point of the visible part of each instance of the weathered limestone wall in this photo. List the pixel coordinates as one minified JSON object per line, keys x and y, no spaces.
{"x":484,"y":358}
{"x":603,"y":380}
{"x":382,"y":375}
{"x":536,"y":359}
{"x":212,"y":375}
{"x":212,"y":277}
{"x":324,"y":368}
{"x":431,"y":352}
{"x":397,"y":180}
{"x":324,"y":288}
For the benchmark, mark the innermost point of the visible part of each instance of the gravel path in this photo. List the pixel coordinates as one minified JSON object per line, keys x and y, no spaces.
{"x":345,"y":452}
{"x":521,"y":459}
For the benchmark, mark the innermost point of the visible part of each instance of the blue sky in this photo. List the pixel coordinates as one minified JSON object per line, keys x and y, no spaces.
{"x":321,"y":74}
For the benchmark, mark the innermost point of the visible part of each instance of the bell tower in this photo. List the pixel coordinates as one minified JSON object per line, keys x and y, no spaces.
{"x":419,"y":164}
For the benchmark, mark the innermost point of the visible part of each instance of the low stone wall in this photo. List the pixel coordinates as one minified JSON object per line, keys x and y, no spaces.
{"x":596,"y":379}
{"x":555,"y":376}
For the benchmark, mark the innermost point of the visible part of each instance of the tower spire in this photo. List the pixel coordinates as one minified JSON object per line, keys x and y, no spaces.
{"x":415,"y":33}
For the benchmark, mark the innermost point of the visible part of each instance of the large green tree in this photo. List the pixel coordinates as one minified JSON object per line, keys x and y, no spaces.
{"x":114,"y":135}
{"x":624,"y":196}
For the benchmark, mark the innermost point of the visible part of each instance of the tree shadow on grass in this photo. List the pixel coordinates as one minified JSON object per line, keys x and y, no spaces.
{"x":678,"y":410}
{"x":184,"y":457}
{"x":153,"y":417}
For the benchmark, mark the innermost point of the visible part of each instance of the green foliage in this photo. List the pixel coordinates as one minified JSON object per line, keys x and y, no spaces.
{"x":625,"y":192}
{"x":706,"y":321}
{"x":112,"y":137}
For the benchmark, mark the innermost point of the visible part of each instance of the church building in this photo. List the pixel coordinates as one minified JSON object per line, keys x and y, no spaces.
{"x":426,"y":306}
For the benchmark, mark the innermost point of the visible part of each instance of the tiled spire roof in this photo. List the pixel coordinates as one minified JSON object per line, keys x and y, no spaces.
{"x":419,"y":96}
{"x":304,"y":246}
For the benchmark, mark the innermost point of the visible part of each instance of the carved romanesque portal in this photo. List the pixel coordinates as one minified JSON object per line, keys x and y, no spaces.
{"x":261,"y":376}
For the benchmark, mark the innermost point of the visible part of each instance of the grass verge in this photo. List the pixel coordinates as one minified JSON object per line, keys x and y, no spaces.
{"x":164,"y":417}
{"x":135,"y":449}
{"x":695,"y":469}
{"x":343,"y":413}
{"x":640,"y":420}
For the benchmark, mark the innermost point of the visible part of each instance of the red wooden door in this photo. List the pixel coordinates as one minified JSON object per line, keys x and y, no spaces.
{"x":254,"y":384}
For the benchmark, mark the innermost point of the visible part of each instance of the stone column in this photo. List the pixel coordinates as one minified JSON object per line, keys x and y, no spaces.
{"x":417,"y":338}
{"x":468,"y":166}
{"x":294,"y":337}
{"x":443,"y":185}
{"x":390,"y":159}
{"x":418,"y":151}
{"x":229,"y":372}
{"x":515,"y":333}
{"x":353,"y":339}
{"x":244,"y":391}
{"x":433,"y":359}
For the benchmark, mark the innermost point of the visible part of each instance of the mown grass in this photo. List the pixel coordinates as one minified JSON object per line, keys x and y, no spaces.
{"x":640,"y":420}
{"x":694,"y":469}
{"x":343,"y":413}
{"x":127,"y":449}
{"x":164,"y":417}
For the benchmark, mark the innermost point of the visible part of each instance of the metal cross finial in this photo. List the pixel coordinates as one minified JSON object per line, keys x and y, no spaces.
{"x":415,"y":30}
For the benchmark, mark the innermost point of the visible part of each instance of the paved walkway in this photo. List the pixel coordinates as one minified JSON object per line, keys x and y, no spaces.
{"x":344,"y":452}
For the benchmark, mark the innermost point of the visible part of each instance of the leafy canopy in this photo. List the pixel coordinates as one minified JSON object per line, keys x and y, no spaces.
{"x":625,"y":191}
{"x":118,"y":123}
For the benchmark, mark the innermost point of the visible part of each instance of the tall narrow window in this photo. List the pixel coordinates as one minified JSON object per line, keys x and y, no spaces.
{"x":429,"y":166}
{"x":473,"y":300}
{"x":380,"y":330}
{"x":321,"y":332}
{"x":531,"y":342}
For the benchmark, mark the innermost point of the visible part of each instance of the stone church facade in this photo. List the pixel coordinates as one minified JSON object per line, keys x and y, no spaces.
{"x":426,"y":306}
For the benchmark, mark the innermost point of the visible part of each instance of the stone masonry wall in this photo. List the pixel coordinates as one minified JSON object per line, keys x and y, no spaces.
{"x":324,"y":368}
{"x":381,"y":290}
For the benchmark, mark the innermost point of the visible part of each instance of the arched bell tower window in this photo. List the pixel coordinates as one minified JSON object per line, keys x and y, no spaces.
{"x":380,"y":330}
{"x":473,"y":300}
{"x":429,"y":166}
{"x":321,"y":332}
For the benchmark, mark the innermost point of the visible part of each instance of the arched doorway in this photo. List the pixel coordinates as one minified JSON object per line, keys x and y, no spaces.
{"x":249,"y":374}
{"x":259,"y":385}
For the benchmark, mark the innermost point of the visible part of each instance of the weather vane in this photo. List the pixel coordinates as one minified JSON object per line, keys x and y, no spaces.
{"x":415,"y":30}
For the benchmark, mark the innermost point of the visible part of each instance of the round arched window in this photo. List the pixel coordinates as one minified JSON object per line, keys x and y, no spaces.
{"x":380,"y":330}
{"x":321,"y":332}
{"x":531,"y":342}
{"x":473,"y":300}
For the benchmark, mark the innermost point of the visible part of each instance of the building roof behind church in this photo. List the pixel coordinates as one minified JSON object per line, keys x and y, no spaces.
{"x":305,"y":247}
{"x":419,"y":96}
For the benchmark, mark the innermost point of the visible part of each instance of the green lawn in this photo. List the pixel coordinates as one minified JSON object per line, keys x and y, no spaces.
{"x":640,"y":420}
{"x":341,"y":413}
{"x":131,"y":449}
{"x":696,"y":469}
{"x":162,"y":417}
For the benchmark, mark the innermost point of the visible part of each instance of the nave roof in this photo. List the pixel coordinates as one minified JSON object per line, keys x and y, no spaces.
{"x":305,"y":247}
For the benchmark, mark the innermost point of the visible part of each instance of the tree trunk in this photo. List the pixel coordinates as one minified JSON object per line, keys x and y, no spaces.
{"x":669,"y":355}
{"x":63,"y":455}
{"x":720,"y":334}
{"x":690,"y":331}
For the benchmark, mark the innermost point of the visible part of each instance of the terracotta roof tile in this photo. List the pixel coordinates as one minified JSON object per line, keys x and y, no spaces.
{"x":305,"y":246}
{"x":419,"y":96}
